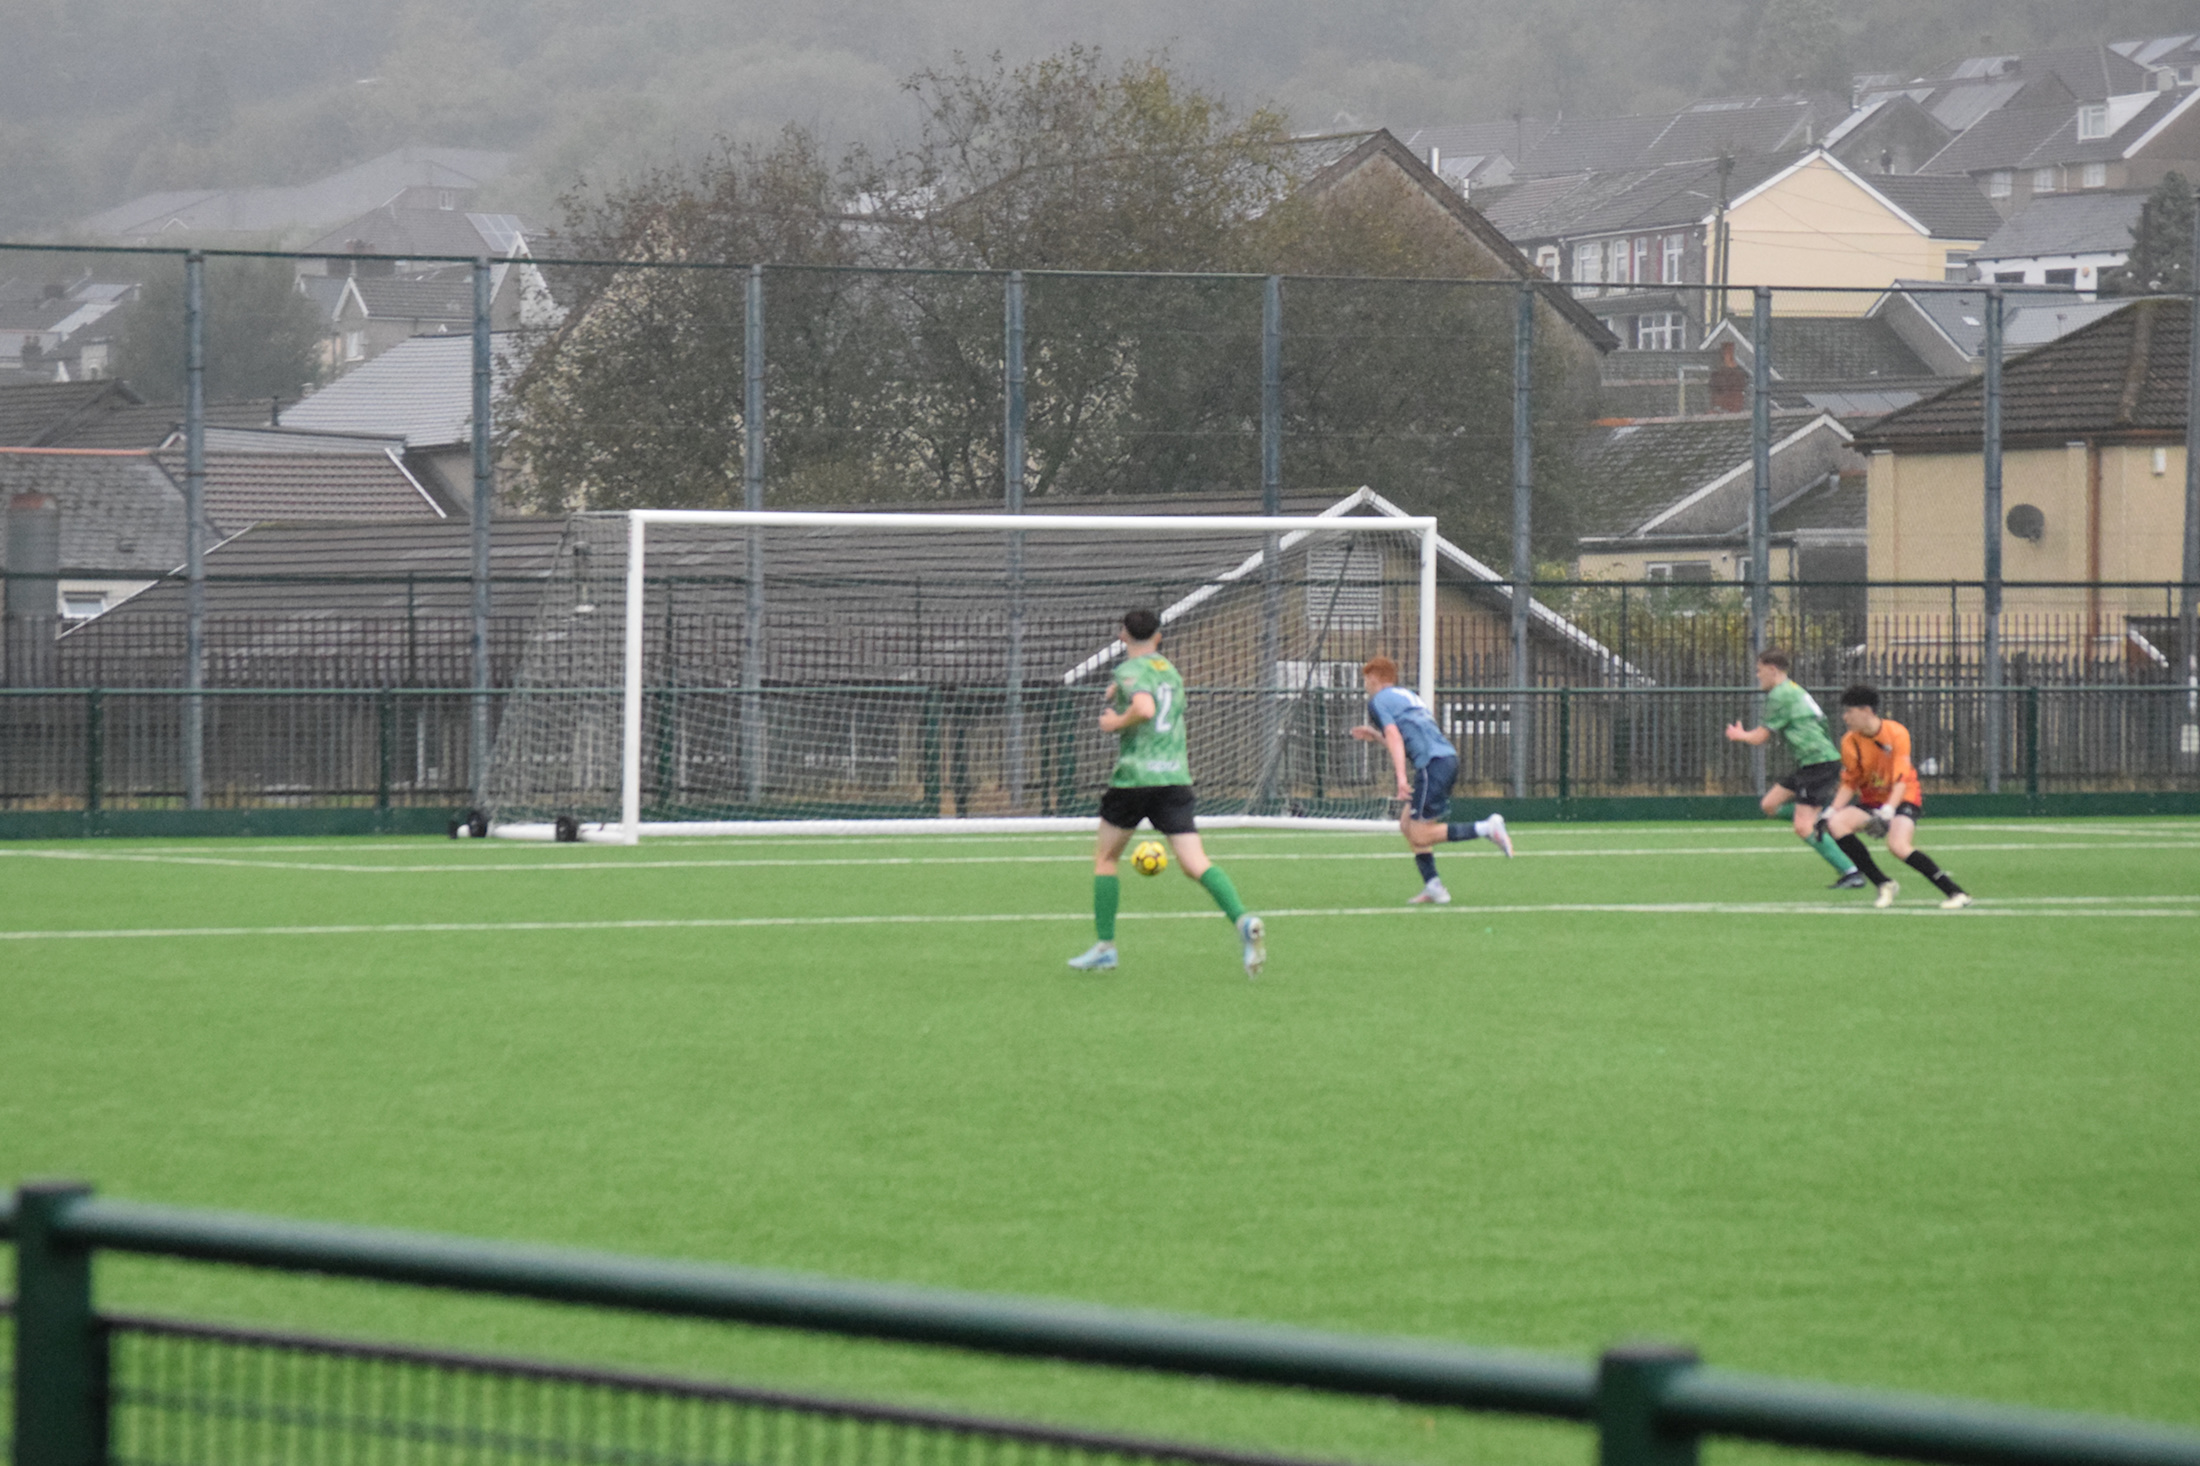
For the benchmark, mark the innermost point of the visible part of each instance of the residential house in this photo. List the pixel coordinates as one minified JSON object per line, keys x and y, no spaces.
{"x":1947,"y":328}
{"x":2093,"y":484}
{"x":297,"y":212}
{"x":420,"y":392}
{"x":1850,"y":366}
{"x":2065,"y":239}
{"x":2131,"y":140}
{"x":121,"y":510}
{"x":53,"y":330}
{"x":1668,"y":499}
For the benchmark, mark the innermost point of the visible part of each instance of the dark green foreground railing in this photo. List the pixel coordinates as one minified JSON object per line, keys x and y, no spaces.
{"x":1650,"y":1405}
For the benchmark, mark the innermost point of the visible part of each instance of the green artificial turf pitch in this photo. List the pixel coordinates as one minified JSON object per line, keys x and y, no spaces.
{"x":1647,"y":1080}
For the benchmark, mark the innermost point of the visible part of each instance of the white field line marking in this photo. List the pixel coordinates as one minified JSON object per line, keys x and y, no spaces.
{"x":2166,"y":906}
{"x":555,"y":866}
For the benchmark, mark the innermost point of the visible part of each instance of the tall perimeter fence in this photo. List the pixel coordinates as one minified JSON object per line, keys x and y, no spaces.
{"x":1594,"y":638}
{"x":90,"y":1387}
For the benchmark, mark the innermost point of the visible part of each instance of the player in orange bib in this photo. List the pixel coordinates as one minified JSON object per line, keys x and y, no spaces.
{"x":1879,"y":795}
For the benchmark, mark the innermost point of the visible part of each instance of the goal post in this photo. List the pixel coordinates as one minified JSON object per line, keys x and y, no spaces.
{"x":718,"y":672}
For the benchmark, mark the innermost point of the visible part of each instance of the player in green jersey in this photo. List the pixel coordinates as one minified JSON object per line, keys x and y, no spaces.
{"x":1795,"y":715}
{"x":1153,"y":781}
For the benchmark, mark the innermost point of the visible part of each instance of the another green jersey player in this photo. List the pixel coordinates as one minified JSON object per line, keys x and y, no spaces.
{"x":1795,"y":715}
{"x":1153,"y":781}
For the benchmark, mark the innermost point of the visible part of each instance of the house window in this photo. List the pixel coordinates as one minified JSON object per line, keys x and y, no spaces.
{"x":2061,"y":277}
{"x":355,"y":345}
{"x":1998,"y":183}
{"x":1658,"y":331}
{"x":2043,"y":180}
{"x":1642,"y":260}
{"x":1588,"y":263}
{"x":1695,"y":572}
{"x":1675,"y":246}
{"x":2095,"y":176}
{"x":1741,"y":568}
{"x":1956,"y":265}
{"x":1621,"y":273}
{"x":445,"y":199}
{"x":82,"y":605}
{"x":2092,"y":121}
{"x":1546,"y":260}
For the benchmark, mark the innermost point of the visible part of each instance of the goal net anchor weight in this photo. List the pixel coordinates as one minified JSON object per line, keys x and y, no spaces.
{"x":875,"y":691}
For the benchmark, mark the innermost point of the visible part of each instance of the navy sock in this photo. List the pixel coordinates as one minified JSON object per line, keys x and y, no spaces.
{"x":1425,"y":863}
{"x":1456,"y":833}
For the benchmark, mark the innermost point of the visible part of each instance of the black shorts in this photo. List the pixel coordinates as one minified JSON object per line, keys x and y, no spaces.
{"x":1168,"y":806}
{"x":1432,"y":788}
{"x":1813,"y":784}
{"x":1877,"y":829}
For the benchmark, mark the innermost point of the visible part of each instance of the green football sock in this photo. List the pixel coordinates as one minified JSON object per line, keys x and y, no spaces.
{"x":1226,"y":896}
{"x":1830,"y":852}
{"x":1107,"y":895}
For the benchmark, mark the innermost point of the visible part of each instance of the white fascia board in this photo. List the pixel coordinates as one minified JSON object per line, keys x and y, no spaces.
{"x":1824,"y":419}
{"x":2156,"y":130}
{"x":398,"y":462}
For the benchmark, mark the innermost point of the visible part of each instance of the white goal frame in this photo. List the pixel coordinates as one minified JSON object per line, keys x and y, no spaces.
{"x":1289,"y":528}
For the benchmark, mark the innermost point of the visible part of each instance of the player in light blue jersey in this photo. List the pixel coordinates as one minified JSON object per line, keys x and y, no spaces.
{"x":1401,"y":722}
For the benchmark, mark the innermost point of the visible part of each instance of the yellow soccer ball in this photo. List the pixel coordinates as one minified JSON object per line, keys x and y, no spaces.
{"x":1150,"y":857}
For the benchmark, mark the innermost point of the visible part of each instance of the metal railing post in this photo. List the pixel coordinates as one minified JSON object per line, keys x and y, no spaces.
{"x":385,"y":745}
{"x":60,"y":1351}
{"x":477,"y":747}
{"x":1760,"y":495}
{"x":1565,"y":744}
{"x":194,"y":529}
{"x":754,"y":756}
{"x":1523,"y":567}
{"x":2032,"y":742}
{"x":95,"y":750}
{"x":1271,"y":502}
{"x":1012,"y":487}
{"x":2188,"y":611}
{"x":1630,"y":1380}
{"x":1990,"y":652}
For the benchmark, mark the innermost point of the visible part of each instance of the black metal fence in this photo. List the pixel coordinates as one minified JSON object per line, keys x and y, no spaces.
{"x":90,"y":1390}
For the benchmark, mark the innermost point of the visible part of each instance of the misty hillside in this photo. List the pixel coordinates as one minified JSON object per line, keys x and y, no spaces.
{"x":101,"y":100}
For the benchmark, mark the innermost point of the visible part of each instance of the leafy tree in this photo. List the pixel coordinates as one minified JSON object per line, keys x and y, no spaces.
{"x":1800,"y":46}
{"x":2161,"y":245}
{"x":262,"y":338}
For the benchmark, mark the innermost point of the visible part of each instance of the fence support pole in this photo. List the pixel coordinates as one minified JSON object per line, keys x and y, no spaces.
{"x":60,"y":1353}
{"x":2032,"y":742}
{"x":1012,"y":476}
{"x":1523,"y":567}
{"x":2188,"y":611}
{"x":1629,"y":1380}
{"x":753,"y":753}
{"x":1271,"y":502}
{"x":1760,"y":493}
{"x":1990,"y":651}
{"x":95,"y":751}
{"x":194,"y":529}
{"x":385,"y":745}
{"x":478,"y":743}
{"x":1565,"y":744}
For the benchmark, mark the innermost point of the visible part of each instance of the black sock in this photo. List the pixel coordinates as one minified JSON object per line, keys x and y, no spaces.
{"x":1854,"y":849}
{"x":1456,"y":833}
{"x":1425,"y":863}
{"x":1924,"y":865}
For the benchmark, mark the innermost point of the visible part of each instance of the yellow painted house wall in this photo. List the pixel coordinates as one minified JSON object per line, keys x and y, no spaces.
{"x":1819,"y":227}
{"x":1925,"y":523}
{"x":1726,"y":565}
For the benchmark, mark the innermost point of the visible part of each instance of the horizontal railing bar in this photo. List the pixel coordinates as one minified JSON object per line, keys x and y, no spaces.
{"x":1911,"y":1427}
{"x":1422,"y":1372}
{"x":695,"y":1389}
{"x":1577,"y":689}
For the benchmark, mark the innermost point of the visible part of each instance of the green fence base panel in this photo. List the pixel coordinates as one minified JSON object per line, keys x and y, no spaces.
{"x":68,"y":824}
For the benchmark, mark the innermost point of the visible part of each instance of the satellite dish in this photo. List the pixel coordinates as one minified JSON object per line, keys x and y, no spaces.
{"x":2027,"y":523}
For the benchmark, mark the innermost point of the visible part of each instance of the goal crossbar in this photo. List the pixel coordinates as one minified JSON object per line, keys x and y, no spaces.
{"x":631,"y":826}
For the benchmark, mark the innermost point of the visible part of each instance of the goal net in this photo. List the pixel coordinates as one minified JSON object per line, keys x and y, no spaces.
{"x":710,"y":673}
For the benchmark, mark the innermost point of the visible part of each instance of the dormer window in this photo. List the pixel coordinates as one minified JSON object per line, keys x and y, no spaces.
{"x":1998,"y":183}
{"x":2092,"y":121}
{"x":445,"y":199}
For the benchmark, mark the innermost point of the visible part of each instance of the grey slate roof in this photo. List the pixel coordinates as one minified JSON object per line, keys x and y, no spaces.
{"x":420,"y":390}
{"x":244,"y":489}
{"x":414,"y":232}
{"x":1825,"y":349}
{"x":392,"y":297}
{"x":316,"y":205}
{"x":1960,"y":315}
{"x":36,"y":413}
{"x":2038,"y":137}
{"x":118,"y":510}
{"x":1835,"y":504}
{"x":1651,"y":477}
{"x":1949,"y":208}
{"x":150,"y":424}
{"x":2066,"y":224}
